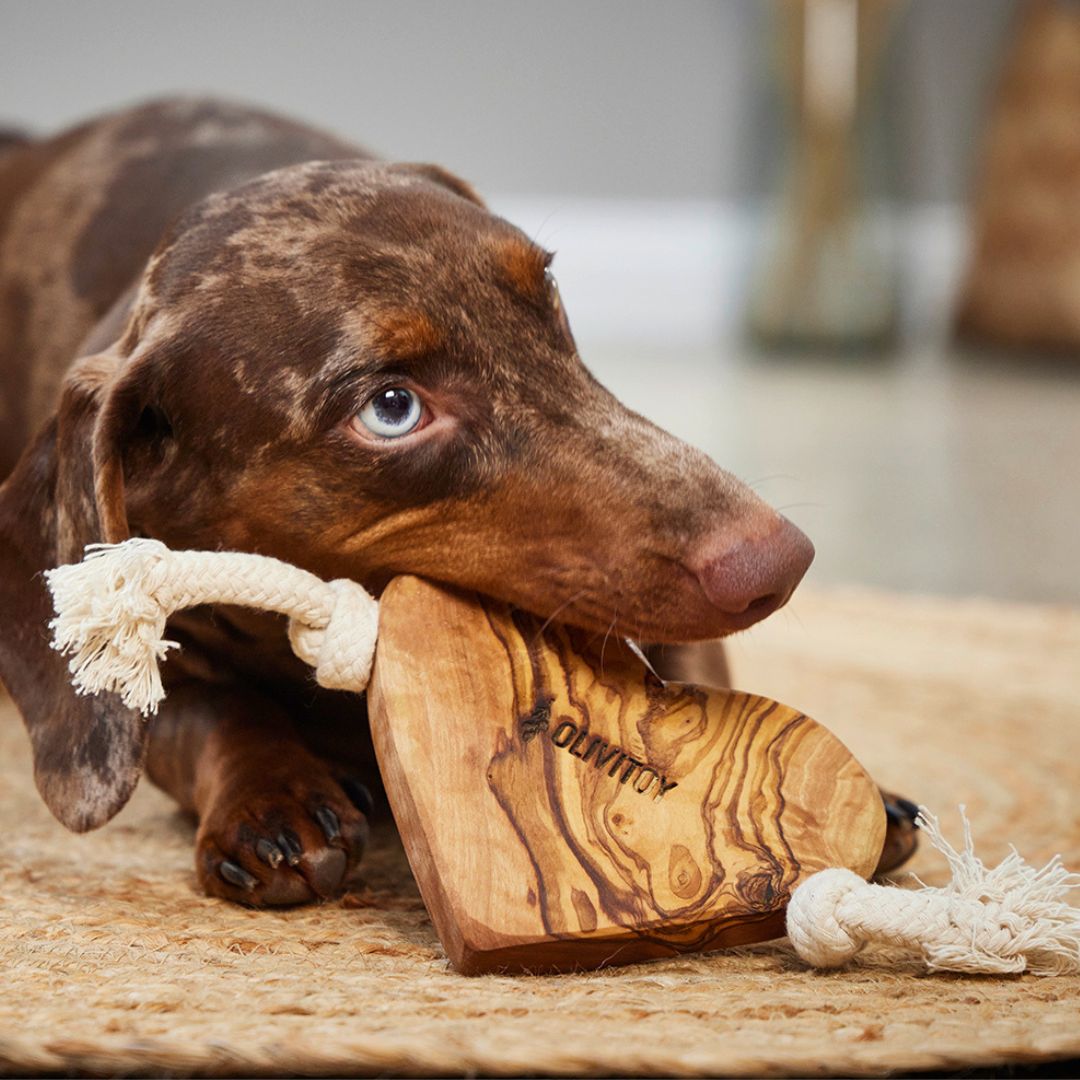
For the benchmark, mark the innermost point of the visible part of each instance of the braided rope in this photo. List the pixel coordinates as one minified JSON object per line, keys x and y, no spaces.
{"x":113,"y":606}
{"x":997,"y":920}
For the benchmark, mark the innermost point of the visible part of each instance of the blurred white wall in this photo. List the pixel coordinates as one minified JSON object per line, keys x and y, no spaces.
{"x":610,"y":98}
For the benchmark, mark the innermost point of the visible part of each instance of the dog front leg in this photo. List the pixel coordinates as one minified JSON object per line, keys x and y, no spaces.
{"x":275,"y":826}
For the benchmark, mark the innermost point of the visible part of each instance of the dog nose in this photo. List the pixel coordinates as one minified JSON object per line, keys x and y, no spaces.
{"x":757,"y":574}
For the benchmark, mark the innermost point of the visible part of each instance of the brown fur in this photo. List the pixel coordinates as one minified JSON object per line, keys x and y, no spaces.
{"x":524,"y":266}
{"x":403,"y":335}
{"x":197,"y":300}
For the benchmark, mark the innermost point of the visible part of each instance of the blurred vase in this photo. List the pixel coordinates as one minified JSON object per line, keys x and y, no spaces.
{"x":1023,"y":283}
{"x":825,"y":274}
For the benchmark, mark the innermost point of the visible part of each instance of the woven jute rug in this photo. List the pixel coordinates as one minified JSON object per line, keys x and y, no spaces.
{"x":110,"y":961}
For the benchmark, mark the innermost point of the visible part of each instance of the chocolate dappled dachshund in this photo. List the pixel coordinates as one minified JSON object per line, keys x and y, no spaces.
{"x":226,"y":330}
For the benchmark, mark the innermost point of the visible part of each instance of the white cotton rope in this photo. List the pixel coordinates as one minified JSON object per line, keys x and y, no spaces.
{"x":992,"y":920}
{"x":111,"y":611}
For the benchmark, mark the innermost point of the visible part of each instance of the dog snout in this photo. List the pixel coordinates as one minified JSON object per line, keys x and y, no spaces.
{"x":750,"y":576}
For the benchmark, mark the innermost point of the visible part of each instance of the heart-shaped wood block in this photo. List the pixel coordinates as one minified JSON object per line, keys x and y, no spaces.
{"x":563,"y":809}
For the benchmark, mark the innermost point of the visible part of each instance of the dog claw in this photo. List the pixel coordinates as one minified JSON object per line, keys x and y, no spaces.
{"x":238,"y":876}
{"x":289,"y":843}
{"x":329,"y":822}
{"x":359,"y":795}
{"x":269,"y":852}
{"x":901,"y":811}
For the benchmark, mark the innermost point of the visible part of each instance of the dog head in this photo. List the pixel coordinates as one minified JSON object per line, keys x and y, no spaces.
{"x":355,"y":367}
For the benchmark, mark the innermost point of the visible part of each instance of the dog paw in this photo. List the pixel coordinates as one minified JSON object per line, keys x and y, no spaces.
{"x":287,"y":840}
{"x":901,"y":832}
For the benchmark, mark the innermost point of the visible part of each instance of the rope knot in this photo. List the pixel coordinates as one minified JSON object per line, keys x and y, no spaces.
{"x":341,"y":650}
{"x":815,"y":921}
{"x":1001,"y":919}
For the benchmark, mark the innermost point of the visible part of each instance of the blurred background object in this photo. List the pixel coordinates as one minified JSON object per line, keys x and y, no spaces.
{"x":826,"y":276}
{"x":1023,"y":285}
{"x":643,"y":142}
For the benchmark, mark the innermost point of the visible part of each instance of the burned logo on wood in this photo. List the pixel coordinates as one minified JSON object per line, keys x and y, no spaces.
{"x":596,"y":751}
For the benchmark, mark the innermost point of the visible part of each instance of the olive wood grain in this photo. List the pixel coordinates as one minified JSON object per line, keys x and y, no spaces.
{"x":562,"y":808}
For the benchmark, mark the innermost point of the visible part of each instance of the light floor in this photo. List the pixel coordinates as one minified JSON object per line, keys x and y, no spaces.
{"x":929,"y":472}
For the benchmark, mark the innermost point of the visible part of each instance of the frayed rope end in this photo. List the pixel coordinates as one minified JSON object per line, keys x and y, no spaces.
{"x":1034,"y":927}
{"x":110,"y":621}
{"x":1004,"y":919}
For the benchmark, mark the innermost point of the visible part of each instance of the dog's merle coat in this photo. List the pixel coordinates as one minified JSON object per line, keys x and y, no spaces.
{"x":196,"y":300}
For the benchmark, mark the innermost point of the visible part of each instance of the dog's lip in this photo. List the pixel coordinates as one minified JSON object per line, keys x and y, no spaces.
{"x":706,"y":622}
{"x":700,"y":619}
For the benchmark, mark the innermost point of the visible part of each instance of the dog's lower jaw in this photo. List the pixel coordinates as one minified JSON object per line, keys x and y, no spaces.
{"x":678,"y":610}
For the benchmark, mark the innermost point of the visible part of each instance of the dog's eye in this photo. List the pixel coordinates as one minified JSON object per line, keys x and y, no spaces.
{"x":552,"y":287}
{"x":392,"y":413}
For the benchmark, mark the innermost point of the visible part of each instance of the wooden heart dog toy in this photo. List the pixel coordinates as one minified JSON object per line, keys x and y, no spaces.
{"x":562,"y":808}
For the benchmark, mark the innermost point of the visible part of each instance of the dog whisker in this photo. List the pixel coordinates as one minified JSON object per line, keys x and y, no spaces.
{"x":772,"y":476}
{"x":637,"y":650}
{"x":535,"y":236}
{"x":799,"y":505}
{"x":611,"y":627}
{"x":562,"y":607}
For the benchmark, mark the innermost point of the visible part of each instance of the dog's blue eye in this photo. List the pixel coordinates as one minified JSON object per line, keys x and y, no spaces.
{"x":392,"y":413}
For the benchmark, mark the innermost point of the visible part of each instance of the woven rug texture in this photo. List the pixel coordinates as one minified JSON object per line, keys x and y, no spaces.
{"x":113,"y":963}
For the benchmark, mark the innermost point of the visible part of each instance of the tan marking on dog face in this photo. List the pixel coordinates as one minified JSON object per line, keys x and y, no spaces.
{"x":405,"y":335}
{"x":524,"y":266}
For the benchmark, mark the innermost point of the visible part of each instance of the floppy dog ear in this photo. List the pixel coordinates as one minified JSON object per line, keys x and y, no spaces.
{"x":66,"y":492}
